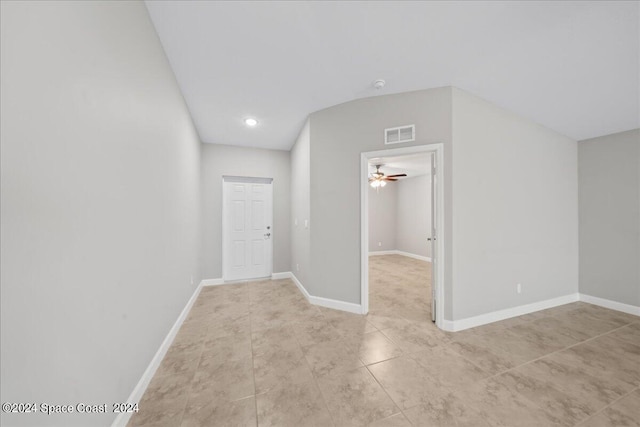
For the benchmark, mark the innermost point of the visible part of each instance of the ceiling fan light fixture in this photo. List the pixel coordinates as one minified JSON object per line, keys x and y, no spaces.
{"x":377,"y":183}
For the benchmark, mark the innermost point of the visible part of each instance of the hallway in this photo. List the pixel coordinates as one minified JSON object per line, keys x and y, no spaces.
{"x":258,"y":354}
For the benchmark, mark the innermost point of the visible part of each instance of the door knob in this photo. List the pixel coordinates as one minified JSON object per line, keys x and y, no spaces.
{"x":267,"y":235}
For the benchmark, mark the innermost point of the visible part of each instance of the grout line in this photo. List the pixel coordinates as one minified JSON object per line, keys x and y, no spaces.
{"x":387,"y":393}
{"x":253,"y":365}
{"x":315,"y":380}
{"x":545,"y":355}
{"x":549,"y":354}
{"x":606,"y":406}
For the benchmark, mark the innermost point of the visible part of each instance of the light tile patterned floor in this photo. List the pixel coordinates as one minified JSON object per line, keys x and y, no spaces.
{"x":258,"y":354}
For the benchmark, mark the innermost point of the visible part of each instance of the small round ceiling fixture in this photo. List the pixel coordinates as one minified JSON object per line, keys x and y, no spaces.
{"x":251,"y":122}
{"x":379,"y":84}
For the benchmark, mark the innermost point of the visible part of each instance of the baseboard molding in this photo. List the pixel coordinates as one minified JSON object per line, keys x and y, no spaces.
{"x":376,"y":253}
{"x":212,"y":282}
{"x":302,"y":289}
{"x":403,"y":253}
{"x":495,"y":316}
{"x":613,"y":305}
{"x":327,"y":302}
{"x":420,"y":257}
{"x":136,"y":395}
{"x":283,"y":275}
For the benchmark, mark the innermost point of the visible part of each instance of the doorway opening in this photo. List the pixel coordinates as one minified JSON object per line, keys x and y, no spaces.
{"x":247,"y":232}
{"x":401,"y":240}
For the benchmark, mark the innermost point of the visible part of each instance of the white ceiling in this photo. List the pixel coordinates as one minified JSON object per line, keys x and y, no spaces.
{"x":571,"y":66}
{"x":411,"y":164}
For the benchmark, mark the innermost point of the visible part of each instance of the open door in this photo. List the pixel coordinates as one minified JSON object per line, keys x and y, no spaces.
{"x":432,"y":239}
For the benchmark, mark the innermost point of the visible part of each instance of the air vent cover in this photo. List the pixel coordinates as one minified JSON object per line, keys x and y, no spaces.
{"x":400,"y":134}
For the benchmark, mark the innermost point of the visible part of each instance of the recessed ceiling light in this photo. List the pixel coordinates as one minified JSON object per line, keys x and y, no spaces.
{"x":251,"y":122}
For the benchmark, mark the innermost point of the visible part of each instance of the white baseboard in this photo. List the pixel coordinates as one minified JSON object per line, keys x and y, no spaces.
{"x":283,"y":275}
{"x":375,"y":253}
{"x":212,"y":282}
{"x":327,"y":302}
{"x":397,"y":252}
{"x":136,"y":395}
{"x":495,"y":316}
{"x":613,"y":305}
{"x":420,"y":257}
{"x":300,"y":287}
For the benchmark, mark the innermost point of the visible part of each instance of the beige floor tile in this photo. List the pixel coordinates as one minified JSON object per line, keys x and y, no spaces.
{"x":395,"y":420}
{"x":563,"y":326}
{"x":606,"y":315}
{"x":412,"y":338}
{"x":269,"y":318}
{"x":564,"y":408}
{"x":387,"y":320}
{"x":316,"y":331}
{"x":281,"y":366}
{"x":294,"y":404}
{"x":224,"y":328}
{"x":163,"y":401}
{"x":481,"y":354}
{"x":581,"y":324}
{"x":185,"y":343}
{"x":448,"y":368}
{"x":629,"y":333}
{"x":331,"y":358}
{"x":501,"y":406}
{"x":374,"y":347}
{"x":268,"y":339}
{"x":549,"y":338}
{"x":593,"y":392}
{"x":184,"y":364}
{"x":517,"y":348}
{"x":355,"y":398}
{"x":620,"y":348}
{"x":623,"y":413}
{"x":241,"y":413}
{"x":262,"y":345}
{"x":231,"y":347}
{"x":601,"y":363}
{"x":352,"y":327}
{"x":407,"y":382}
{"x":222,"y":381}
{"x":448,"y":411}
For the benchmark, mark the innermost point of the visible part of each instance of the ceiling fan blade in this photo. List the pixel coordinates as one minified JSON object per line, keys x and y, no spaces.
{"x":397,"y":175}
{"x":386,"y":178}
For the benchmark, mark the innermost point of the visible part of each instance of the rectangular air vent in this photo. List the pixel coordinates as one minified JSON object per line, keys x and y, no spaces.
{"x":400,"y":134}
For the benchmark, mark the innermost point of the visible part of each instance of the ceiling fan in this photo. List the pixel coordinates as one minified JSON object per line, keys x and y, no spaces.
{"x":379,"y":179}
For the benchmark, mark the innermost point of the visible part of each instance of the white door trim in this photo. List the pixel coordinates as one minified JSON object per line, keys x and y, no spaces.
{"x":438,"y":151}
{"x":230,"y":178}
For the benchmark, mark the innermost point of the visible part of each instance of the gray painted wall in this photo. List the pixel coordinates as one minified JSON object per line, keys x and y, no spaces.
{"x":338,"y":135}
{"x":609,"y":196}
{"x":383,"y":212}
{"x":515,"y":209}
{"x":220,"y":160}
{"x":300,"y":206}
{"x":100,"y":203}
{"x":413,"y":225}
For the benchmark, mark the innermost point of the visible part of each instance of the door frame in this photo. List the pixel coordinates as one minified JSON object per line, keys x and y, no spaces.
{"x":438,"y":151}
{"x":234,"y":178}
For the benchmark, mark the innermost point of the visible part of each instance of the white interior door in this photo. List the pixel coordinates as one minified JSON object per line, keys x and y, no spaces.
{"x":247,"y":228}
{"x":434,"y":236}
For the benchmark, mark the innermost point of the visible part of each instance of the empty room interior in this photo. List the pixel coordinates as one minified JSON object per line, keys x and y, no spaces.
{"x":320,"y":213}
